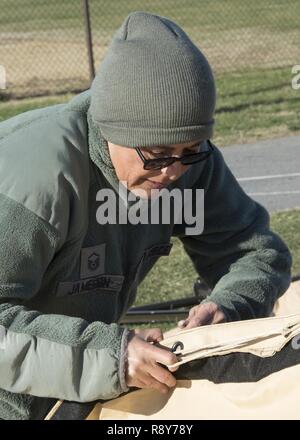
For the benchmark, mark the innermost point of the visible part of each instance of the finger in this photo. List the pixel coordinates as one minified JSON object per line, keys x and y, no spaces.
{"x":150,"y":335}
{"x":206,"y":314}
{"x":154,"y":335}
{"x":182,"y":323}
{"x":193,"y":311}
{"x":138,"y":384}
{"x":198,"y":322}
{"x":162,"y":355}
{"x":156,"y":385}
{"x":203,"y":316}
{"x":162,"y":375}
{"x":139,"y":379}
{"x":145,"y":380}
{"x":218,"y":319}
{"x":173,"y":369}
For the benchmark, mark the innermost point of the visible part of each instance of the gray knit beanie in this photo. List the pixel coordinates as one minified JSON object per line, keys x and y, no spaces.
{"x":154,"y":86}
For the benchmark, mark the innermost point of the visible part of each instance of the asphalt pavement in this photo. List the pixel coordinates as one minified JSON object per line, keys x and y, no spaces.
{"x":269,"y":171}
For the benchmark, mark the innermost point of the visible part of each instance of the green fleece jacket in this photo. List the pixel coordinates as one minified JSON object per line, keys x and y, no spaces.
{"x":66,"y":280}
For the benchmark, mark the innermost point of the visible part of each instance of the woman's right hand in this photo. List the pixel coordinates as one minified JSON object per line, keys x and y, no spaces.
{"x":145,"y":361}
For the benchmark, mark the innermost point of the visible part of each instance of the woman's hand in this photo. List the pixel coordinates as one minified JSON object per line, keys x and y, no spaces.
{"x":145,"y":361}
{"x":203,"y":314}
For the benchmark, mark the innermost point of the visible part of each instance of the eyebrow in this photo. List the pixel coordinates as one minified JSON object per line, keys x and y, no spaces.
{"x":169,"y":147}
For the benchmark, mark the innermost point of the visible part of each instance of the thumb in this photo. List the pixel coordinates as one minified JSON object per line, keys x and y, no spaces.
{"x":150,"y":334}
{"x":182,"y":323}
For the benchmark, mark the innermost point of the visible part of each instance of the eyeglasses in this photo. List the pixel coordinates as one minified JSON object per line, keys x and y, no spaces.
{"x":187,"y":159}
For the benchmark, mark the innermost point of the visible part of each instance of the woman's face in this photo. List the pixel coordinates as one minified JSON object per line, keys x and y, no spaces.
{"x":129,"y":166}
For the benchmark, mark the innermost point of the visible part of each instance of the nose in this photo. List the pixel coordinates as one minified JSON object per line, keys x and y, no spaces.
{"x":174,"y":171}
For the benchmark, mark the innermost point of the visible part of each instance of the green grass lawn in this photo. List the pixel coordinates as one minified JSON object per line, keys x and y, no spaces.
{"x":38,"y":15}
{"x":11,"y":108}
{"x":256,"y":105}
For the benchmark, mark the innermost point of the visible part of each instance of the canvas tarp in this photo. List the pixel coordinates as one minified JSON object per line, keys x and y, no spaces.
{"x":240,"y":370}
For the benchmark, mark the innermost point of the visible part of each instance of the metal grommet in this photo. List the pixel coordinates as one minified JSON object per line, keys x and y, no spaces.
{"x":176,"y":345}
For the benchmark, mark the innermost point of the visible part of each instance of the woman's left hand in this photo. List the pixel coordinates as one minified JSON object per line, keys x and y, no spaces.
{"x":203,"y":314}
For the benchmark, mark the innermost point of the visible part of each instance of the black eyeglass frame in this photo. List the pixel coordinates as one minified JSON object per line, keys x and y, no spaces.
{"x":163,"y":162}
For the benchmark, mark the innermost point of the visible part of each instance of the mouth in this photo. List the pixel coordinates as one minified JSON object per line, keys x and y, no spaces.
{"x":157,"y":185}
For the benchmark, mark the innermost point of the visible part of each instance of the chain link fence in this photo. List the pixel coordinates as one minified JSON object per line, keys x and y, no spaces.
{"x":44,"y":45}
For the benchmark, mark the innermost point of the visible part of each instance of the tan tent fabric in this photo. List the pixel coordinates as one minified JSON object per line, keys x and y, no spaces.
{"x":262,"y":337}
{"x":289,"y":303}
{"x":276,"y":396}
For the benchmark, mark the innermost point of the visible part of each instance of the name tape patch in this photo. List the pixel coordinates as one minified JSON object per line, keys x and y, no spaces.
{"x":112,"y":283}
